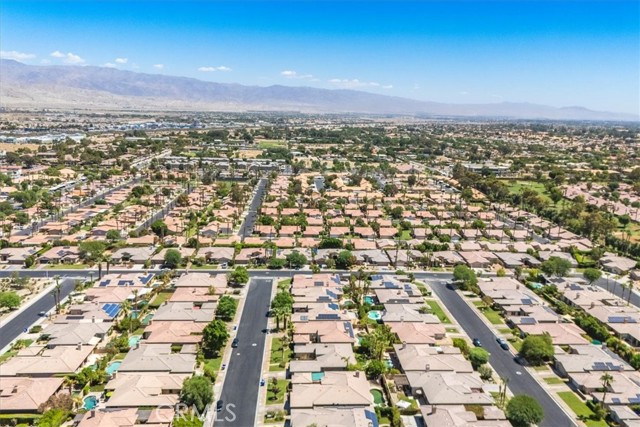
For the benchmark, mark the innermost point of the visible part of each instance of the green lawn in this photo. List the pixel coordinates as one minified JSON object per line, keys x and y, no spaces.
{"x":452,"y":330}
{"x":437,"y":310}
{"x":515,"y":187}
{"x":214,"y":363}
{"x":580,"y":408}
{"x":554,"y":380}
{"x":7,"y":355}
{"x":405,"y":235}
{"x":66,"y":267}
{"x":541,"y":368}
{"x":282,"y":392}
{"x":271,"y":143}
{"x":276,"y":358}
{"x":160,"y":299}
{"x":493,"y":316}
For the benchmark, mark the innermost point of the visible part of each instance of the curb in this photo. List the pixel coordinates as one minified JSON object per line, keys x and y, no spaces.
{"x":28,"y":304}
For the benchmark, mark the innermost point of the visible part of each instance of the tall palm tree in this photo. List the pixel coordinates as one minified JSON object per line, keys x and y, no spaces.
{"x":606,"y":379}
{"x":57,"y":290}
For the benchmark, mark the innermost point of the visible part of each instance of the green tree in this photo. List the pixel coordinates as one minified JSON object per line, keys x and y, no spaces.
{"x":478,"y":356}
{"x":53,"y":418}
{"x":160,"y":228}
{"x":172,"y":258}
{"x":9,"y":300}
{"x":523,"y":410}
{"x":91,"y":250}
{"x":461,"y":344}
{"x":282,"y":299}
{"x":375,"y":368}
{"x":296,"y":260}
{"x":466,"y":276}
{"x":592,"y":274}
{"x":345,"y":260}
{"x":556,"y":266}
{"x":113,"y":235}
{"x":197,"y":391}
{"x":537,"y":349}
{"x":330,"y":243}
{"x":238,"y":277}
{"x":226,"y":308}
{"x":214,"y":337}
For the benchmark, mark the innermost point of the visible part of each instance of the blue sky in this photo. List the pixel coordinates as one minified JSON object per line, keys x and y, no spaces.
{"x":560,"y":53}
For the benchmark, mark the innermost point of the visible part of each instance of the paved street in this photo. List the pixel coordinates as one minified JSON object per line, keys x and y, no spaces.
{"x":520,"y":381}
{"x":616,"y":288}
{"x":252,"y":213}
{"x":242,"y":379}
{"x":29,"y":315}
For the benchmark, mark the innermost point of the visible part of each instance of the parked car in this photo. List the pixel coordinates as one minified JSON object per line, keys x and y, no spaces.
{"x":503,"y":343}
{"x":234,"y":343}
{"x":476,"y":342}
{"x":262,"y":382}
{"x":219,"y":405}
{"x":42,"y":313}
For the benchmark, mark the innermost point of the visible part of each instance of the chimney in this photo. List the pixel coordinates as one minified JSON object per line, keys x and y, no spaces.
{"x":427,"y":367}
{"x":404,"y":345}
{"x":15,"y":389}
{"x":79,"y":346}
{"x":93,"y":413}
{"x":433,"y":409}
{"x":137,"y":344}
{"x":93,"y":319}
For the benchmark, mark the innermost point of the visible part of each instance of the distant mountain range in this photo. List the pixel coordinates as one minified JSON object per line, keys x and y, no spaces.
{"x":101,"y":88}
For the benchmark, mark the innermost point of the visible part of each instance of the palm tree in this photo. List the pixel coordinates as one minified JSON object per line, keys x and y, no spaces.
{"x":70,"y":381}
{"x":606,"y":379}
{"x":284,"y":342}
{"x":56,"y":293}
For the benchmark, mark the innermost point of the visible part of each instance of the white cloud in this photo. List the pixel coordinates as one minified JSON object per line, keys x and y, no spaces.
{"x":158,"y":66}
{"x":211,"y":69}
{"x":356,"y":83}
{"x":15,"y":55}
{"x":291,"y":74}
{"x":109,"y":65}
{"x":122,"y":60}
{"x":69,"y":58}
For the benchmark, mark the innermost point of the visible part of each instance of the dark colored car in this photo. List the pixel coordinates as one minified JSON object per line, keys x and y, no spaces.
{"x":503,"y":343}
{"x":234,"y":343}
{"x":42,"y":313}
{"x":477,"y":342}
{"x":219,"y":405}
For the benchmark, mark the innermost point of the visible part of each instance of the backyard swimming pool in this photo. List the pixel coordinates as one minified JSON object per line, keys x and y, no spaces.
{"x":90,"y":402}
{"x":375,"y":315}
{"x":113,"y":367}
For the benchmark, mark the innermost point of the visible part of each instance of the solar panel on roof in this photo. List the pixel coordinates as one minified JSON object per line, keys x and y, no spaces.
{"x":334,"y":306}
{"x":327,"y":316}
{"x":528,"y":321}
{"x":616,"y":400}
{"x":104,"y":282}
{"x":526,"y":301}
{"x":348,"y":329}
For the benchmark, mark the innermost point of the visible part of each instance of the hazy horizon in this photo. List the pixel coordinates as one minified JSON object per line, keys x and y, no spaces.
{"x":560,"y":53}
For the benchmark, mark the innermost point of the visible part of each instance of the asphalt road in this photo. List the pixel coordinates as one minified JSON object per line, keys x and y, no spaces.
{"x":616,"y":288}
{"x":92,"y":273}
{"x":252,"y":214}
{"x":520,"y":381}
{"x":242,"y":380}
{"x":29,"y":315}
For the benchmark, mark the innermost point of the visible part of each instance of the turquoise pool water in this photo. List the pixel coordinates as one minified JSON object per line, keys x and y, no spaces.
{"x":374,"y":315}
{"x":536,"y":285}
{"x":113,"y":367}
{"x":147,"y":319}
{"x":317,"y":376}
{"x":389,"y":363}
{"x":134,"y":314}
{"x":90,"y":402}
{"x":368,"y":300}
{"x":133,"y":340}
